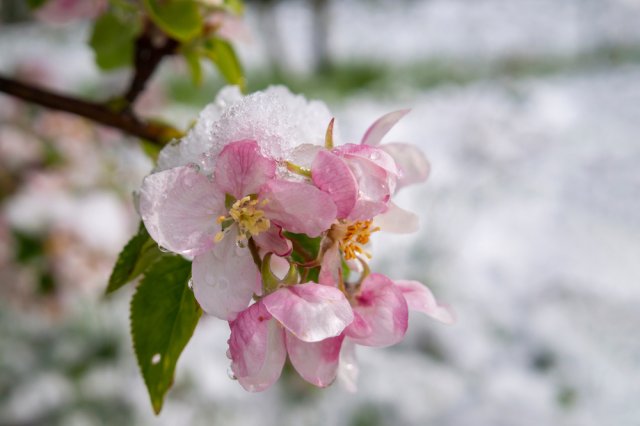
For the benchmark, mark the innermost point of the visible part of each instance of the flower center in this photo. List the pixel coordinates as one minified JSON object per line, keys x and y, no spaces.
{"x":355,"y":237}
{"x":246,"y":213}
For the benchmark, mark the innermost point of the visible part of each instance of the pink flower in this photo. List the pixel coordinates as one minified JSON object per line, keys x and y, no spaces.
{"x":214,"y":218}
{"x":359,"y":178}
{"x":305,"y":321}
{"x":381,"y":313}
{"x":412,"y":165}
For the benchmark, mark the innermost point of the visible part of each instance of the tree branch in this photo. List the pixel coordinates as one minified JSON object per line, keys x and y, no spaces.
{"x":146,"y":59}
{"x":155,"y":133}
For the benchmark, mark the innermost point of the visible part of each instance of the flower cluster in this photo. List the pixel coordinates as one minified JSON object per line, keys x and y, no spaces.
{"x":276,"y":220}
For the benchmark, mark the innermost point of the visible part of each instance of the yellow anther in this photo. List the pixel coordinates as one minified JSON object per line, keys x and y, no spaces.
{"x":357,"y":235}
{"x":245,"y":213}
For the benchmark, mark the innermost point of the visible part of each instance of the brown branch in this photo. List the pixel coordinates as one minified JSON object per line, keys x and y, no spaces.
{"x":155,"y":133}
{"x":146,"y":59}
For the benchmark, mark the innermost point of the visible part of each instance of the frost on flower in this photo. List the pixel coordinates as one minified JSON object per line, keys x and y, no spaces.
{"x":275,"y":217}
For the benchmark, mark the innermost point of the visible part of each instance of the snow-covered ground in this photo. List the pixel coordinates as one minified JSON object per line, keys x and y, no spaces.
{"x":530,"y":230}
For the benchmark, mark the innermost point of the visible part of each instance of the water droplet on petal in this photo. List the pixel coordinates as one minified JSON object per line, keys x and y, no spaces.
{"x":190,"y":284}
{"x":230,"y":374}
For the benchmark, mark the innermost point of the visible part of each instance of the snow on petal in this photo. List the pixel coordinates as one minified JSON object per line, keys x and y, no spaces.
{"x":312,"y":312}
{"x":397,"y":220}
{"x":225,"y":278}
{"x":381,"y":127}
{"x":257,"y":348}
{"x":276,"y":118}
{"x":298,"y":207}
{"x":420,"y":298}
{"x":241,"y":169}
{"x":316,"y":362}
{"x":179,"y":207}
{"x":332,"y":175}
{"x":197,"y":146}
{"x":413,"y":166}
{"x":383,"y":308}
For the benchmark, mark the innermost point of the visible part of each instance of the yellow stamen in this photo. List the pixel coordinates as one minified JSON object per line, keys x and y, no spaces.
{"x":355,"y":237}
{"x":246,"y":213}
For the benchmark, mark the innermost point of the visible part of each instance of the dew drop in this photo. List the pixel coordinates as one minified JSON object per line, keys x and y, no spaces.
{"x":375,"y":155}
{"x":164,"y":249}
{"x":230,"y":374}
{"x":155,"y":359}
{"x":190,"y":284}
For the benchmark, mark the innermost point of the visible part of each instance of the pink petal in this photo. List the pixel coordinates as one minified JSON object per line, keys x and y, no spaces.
{"x":376,"y":175}
{"x":273,"y":241}
{"x":332,"y":175}
{"x":384,"y":310}
{"x":420,"y":298}
{"x":413,"y":166}
{"x":179,"y":208}
{"x":348,"y":369}
{"x":381,"y":127}
{"x":241,"y":170}
{"x":331,"y":266}
{"x":298,"y":207}
{"x":225,"y":278}
{"x":373,"y":154}
{"x":312,"y":312}
{"x":316,"y":362}
{"x":397,"y":220}
{"x":257,"y":348}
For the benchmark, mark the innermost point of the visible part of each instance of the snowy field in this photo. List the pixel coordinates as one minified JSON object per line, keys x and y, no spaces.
{"x":530,"y":229}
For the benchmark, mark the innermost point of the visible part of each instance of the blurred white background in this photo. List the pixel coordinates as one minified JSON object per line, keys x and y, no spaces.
{"x":529,"y":111}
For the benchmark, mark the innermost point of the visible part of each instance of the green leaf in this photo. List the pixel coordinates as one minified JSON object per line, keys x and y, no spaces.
{"x":193,"y":63}
{"x":305,"y":248}
{"x":112,"y":40}
{"x":139,"y":253}
{"x":180,"y":19}
{"x":164,"y":314}
{"x":35,"y":4}
{"x":224,"y":57}
{"x":234,"y":6}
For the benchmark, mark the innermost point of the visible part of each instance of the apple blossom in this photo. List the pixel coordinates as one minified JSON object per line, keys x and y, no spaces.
{"x":255,"y":180}
{"x":214,"y":219}
{"x":305,"y":321}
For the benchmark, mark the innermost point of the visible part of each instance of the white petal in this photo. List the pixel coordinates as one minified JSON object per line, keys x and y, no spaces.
{"x":179,"y":208}
{"x":397,"y":220}
{"x":413,"y":166}
{"x":225,"y":279}
{"x":348,"y":369}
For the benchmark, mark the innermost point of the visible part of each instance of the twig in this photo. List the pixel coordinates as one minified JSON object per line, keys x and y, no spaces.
{"x":146,"y":59}
{"x":155,"y":133}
